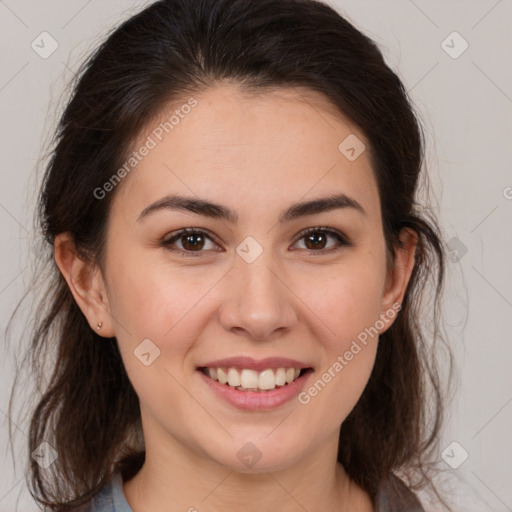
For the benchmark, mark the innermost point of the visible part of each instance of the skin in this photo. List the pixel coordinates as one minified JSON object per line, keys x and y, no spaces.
{"x":256,"y":154}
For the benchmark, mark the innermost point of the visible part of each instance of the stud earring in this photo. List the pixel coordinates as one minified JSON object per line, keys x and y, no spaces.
{"x":98,"y":327}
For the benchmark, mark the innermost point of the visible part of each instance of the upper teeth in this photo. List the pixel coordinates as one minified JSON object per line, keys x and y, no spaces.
{"x":252,"y":380}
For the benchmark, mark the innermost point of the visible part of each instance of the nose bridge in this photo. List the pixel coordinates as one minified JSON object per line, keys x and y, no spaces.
{"x":259,"y":278}
{"x":253,"y":263}
{"x":259,"y":302}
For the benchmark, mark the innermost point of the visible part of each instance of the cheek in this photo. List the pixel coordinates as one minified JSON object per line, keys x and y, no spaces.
{"x":151,"y":302}
{"x":349,"y":304}
{"x":347,"y":298}
{"x":151,"y":297}
{"x":350,"y":346}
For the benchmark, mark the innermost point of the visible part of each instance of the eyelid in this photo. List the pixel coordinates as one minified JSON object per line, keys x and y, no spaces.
{"x":343,"y":240}
{"x":189,"y":231}
{"x":171,"y":238}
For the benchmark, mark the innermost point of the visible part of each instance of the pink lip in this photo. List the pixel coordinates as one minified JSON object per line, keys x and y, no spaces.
{"x":252,"y":364}
{"x":255,"y":400}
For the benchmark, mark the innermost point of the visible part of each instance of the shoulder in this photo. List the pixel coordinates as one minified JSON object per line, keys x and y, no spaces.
{"x":109,"y":499}
{"x":394,"y":496}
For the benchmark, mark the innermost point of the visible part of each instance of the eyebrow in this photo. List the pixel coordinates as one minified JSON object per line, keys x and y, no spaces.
{"x":218,"y":211}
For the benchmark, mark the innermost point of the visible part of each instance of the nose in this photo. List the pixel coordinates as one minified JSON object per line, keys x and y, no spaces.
{"x":258,"y":302}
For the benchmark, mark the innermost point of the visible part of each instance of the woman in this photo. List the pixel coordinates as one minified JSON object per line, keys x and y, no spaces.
{"x":238,"y":267}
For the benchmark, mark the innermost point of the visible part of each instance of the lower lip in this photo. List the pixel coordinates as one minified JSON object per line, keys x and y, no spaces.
{"x":256,"y":400}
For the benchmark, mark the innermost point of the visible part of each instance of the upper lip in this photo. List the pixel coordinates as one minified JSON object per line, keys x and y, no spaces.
{"x":253,"y":364}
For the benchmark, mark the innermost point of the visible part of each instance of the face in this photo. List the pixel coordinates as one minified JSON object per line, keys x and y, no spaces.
{"x":257,"y":284}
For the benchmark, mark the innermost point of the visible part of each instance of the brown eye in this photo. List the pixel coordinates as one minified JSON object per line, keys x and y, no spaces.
{"x":316,"y":240}
{"x":322,"y":240}
{"x":190,"y":242}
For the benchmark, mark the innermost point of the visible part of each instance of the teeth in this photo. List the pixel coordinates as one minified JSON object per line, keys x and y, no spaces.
{"x":267,"y":380}
{"x":233,"y":378}
{"x":280,"y":377}
{"x":248,"y":378}
{"x":222,"y":376}
{"x":251,"y":380}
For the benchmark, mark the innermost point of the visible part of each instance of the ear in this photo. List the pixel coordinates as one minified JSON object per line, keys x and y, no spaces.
{"x":86,"y":284}
{"x":398,"y":277}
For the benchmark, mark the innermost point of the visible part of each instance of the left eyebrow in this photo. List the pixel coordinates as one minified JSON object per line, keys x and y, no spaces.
{"x":218,"y":211}
{"x":323,"y":204}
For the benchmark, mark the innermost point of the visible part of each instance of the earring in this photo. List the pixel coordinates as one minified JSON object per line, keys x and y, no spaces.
{"x":98,"y":327}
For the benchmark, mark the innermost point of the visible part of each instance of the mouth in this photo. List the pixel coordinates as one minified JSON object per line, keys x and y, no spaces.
{"x":255,"y":385}
{"x":249,"y":380}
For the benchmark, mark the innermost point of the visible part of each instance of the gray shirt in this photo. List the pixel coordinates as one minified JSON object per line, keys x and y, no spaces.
{"x":111,"y":498}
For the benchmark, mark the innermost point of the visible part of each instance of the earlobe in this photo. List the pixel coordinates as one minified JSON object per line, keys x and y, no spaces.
{"x":400,"y":274}
{"x":85,"y":283}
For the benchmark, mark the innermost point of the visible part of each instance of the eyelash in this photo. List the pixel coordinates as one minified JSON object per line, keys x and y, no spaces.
{"x":342,"y":240}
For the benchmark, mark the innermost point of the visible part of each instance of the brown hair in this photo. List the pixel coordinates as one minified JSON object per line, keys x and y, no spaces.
{"x":88,"y":410}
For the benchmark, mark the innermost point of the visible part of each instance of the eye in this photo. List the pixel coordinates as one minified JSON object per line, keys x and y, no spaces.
{"x":317,"y":240}
{"x":194,"y":242}
{"x":190,"y":242}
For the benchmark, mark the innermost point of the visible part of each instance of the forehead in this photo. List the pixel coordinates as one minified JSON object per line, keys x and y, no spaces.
{"x":243,"y":147}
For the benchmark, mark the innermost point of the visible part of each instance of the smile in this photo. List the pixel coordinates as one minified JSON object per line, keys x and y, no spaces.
{"x":251,"y":380}
{"x":267,"y":385}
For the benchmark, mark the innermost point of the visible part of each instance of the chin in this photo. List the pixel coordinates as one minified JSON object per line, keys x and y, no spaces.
{"x":253,"y":455}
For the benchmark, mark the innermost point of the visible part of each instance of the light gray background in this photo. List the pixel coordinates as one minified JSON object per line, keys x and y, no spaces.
{"x":466,"y":105}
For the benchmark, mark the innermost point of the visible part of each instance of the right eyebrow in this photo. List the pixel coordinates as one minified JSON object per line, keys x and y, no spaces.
{"x":191,"y":204}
